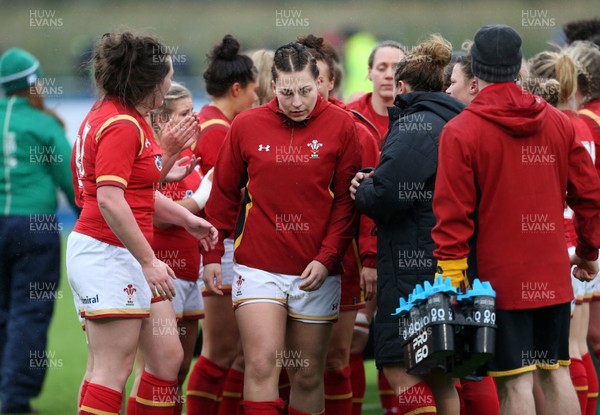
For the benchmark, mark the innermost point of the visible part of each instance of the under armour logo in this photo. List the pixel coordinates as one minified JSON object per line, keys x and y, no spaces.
{"x":264,"y":148}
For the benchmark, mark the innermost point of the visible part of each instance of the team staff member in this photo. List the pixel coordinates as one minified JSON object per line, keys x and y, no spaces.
{"x":295,"y":157}
{"x":216,"y":379}
{"x":398,"y":196}
{"x":34,"y":160}
{"x":112,"y":269}
{"x":338,"y":385}
{"x":373,"y":106}
{"x":507,"y":163}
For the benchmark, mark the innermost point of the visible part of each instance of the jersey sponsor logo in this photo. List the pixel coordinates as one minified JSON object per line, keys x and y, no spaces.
{"x":262,"y":147}
{"x":129,"y":290}
{"x":158,"y":162}
{"x":314,"y":146}
{"x":90,"y":300}
{"x":238,"y":285}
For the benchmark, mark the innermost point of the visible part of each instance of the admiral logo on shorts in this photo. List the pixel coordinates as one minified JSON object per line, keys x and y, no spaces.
{"x":91,"y":300}
{"x":129,"y":290}
{"x":238,"y":285}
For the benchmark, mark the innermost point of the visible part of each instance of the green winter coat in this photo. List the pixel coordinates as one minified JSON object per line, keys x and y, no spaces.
{"x":34,"y":159}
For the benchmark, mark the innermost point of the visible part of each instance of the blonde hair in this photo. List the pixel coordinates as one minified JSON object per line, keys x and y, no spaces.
{"x":587,"y":56}
{"x":558,"y":66}
{"x":176,"y":92}
{"x":423,"y":67}
{"x":263,"y":61}
{"x":547,"y":88}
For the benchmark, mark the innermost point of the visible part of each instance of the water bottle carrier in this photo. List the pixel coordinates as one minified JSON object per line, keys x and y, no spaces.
{"x":441,"y":328}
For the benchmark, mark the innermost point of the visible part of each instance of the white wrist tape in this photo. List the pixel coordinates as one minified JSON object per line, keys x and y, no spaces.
{"x":200,"y":196}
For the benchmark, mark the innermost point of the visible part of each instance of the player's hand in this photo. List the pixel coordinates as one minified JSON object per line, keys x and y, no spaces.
{"x":356,"y":181}
{"x":368,"y":282}
{"x":584,"y":270}
{"x":212,"y":278}
{"x":203,"y":231}
{"x":179,"y":171}
{"x":158,"y":276}
{"x":314,"y":276}
{"x":178,"y":135}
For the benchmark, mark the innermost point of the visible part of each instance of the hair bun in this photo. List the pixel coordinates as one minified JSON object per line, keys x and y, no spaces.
{"x":228,"y":49}
{"x":436,"y":50}
{"x":311,"y":41}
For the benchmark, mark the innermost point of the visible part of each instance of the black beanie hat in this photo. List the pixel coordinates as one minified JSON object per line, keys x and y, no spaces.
{"x":496,"y":53}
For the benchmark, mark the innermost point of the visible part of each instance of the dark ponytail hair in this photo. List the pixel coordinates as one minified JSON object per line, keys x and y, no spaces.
{"x":321,"y":51}
{"x":226,"y":67}
{"x":293,"y":57}
{"x":129,"y":67}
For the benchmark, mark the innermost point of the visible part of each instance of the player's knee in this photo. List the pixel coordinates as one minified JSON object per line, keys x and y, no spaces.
{"x":305,"y":379}
{"x":261,"y":369}
{"x":338,"y":357}
{"x":515,"y":385}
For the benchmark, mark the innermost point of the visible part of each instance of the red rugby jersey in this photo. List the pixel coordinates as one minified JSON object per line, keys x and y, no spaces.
{"x":214,"y":126}
{"x":584,"y":135}
{"x":364,"y":106}
{"x":297,"y":200}
{"x":116,"y":147}
{"x":175,"y":246}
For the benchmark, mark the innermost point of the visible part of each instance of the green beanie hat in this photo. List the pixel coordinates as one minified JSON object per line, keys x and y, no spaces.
{"x":19,"y":69}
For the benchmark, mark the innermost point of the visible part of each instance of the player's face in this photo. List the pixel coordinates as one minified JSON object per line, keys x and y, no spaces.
{"x":247,"y":97}
{"x":458,"y":85}
{"x":296,"y":93}
{"x":181,"y":108}
{"x":385,"y":61}
{"x":326,"y":83}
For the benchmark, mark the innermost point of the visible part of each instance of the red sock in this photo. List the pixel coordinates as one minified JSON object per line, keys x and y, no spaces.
{"x":100,"y":399}
{"x":205,"y":387}
{"x":84,"y":386}
{"x":592,"y":378}
{"x":580,"y":382}
{"x":387,"y":396}
{"x":155,"y":396}
{"x":263,"y":408}
{"x":338,"y":392}
{"x":284,"y":387}
{"x":480,"y":397}
{"x":131,"y":405}
{"x":358,"y":380}
{"x":417,"y":399}
{"x":232,"y":393}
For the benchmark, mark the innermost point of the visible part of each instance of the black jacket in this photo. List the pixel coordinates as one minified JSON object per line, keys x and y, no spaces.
{"x":399,"y":198}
